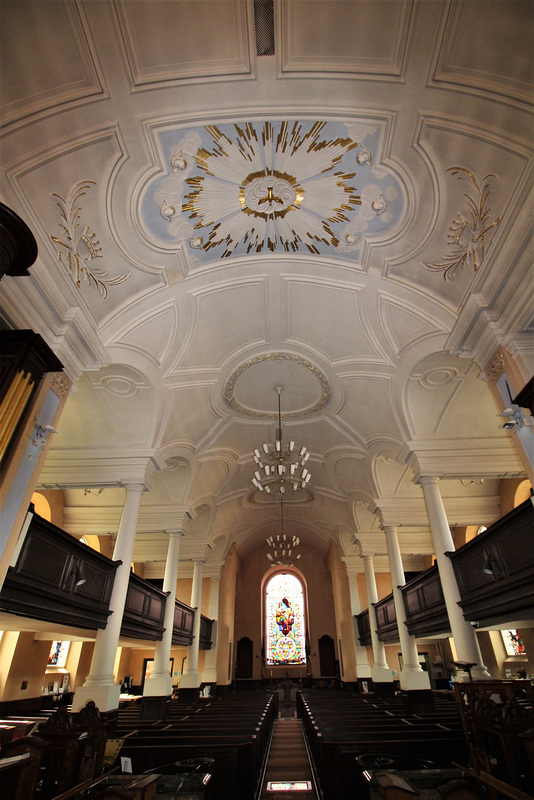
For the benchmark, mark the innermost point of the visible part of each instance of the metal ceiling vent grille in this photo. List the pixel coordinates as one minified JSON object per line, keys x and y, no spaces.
{"x":264,"y":25}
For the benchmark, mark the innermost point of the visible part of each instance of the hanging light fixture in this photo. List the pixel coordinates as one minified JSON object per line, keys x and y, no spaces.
{"x":282,"y":549}
{"x":280,"y":466}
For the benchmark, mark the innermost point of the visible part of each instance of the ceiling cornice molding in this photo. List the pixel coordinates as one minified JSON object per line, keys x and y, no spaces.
{"x":488,"y":457}
{"x":106,"y":519}
{"x":475,"y":510}
{"x":99,"y":469}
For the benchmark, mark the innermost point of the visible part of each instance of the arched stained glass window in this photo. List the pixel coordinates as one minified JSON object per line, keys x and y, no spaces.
{"x":285,"y":629}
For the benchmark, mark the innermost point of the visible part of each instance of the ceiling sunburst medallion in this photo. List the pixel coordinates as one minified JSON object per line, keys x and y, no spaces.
{"x":273,"y":186}
{"x":269,"y":192}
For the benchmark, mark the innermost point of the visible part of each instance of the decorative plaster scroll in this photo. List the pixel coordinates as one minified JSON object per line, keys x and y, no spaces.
{"x":469,"y":230}
{"x":81,"y":249}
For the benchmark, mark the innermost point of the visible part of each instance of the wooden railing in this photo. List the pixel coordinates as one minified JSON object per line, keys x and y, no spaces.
{"x":58,"y":579}
{"x":386,"y":620}
{"x":495,"y":570}
{"x":426,"y":613}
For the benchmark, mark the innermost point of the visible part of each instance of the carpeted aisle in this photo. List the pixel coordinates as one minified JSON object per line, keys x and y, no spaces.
{"x":288,"y":760}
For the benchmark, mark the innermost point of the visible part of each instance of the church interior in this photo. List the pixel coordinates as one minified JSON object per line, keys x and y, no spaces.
{"x":266,"y":394}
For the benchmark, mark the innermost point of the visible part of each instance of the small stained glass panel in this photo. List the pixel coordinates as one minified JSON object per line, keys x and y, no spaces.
{"x":513,"y":643}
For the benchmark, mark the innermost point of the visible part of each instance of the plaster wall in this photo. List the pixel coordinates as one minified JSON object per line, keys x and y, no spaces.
{"x":320,"y":604}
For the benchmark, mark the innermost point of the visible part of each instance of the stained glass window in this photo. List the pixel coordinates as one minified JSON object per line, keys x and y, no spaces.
{"x":285,"y":630}
{"x":513,"y":643}
{"x":58,"y":654}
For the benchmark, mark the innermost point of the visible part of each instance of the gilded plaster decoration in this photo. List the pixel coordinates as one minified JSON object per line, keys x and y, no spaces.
{"x":61,"y":382}
{"x":273,"y":186}
{"x":469,"y":230}
{"x":80,"y":250}
{"x":232,"y":380}
{"x":495,"y":368}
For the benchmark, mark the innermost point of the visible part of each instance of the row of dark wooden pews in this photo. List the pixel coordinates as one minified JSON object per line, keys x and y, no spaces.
{"x":348,"y":733}
{"x":233,"y":730}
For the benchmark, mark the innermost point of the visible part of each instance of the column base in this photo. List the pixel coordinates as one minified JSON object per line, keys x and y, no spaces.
{"x":381,"y":675}
{"x":106,"y":697}
{"x":157,"y":686}
{"x":414,"y":681}
{"x":190,"y":680}
{"x":209,"y":675}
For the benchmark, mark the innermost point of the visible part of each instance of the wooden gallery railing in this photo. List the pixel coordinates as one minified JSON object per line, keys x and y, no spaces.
{"x":58,"y":579}
{"x":495,"y":576}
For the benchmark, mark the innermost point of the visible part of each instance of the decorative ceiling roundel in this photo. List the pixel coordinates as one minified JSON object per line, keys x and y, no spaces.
{"x":309,"y":187}
{"x":247,"y":390}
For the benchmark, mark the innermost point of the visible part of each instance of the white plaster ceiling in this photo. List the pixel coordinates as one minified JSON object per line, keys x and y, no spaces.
{"x":366,"y":102}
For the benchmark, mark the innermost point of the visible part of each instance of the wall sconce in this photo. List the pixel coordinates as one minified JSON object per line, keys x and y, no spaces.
{"x":77,"y":576}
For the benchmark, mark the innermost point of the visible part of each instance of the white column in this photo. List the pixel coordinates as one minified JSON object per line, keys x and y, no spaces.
{"x":380,"y":672}
{"x":160,"y":682}
{"x":463,"y":633}
{"x":363,"y":670}
{"x":191,"y":677}
{"x":100,"y":684}
{"x":411,"y":676}
{"x":209,"y":674}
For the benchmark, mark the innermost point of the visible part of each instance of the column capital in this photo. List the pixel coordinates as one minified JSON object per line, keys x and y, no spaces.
{"x":390,"y":528}
{"x":477,"y":457}
{"x":426,"y":480}
{"x":198,"y":560}
{"x":174,"y":533}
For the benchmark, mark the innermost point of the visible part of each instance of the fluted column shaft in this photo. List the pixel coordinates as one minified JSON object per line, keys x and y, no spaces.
{"x":463,"y":633}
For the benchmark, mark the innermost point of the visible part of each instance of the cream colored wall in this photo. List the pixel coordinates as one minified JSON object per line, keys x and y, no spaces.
{"x":27,"y":663}
{"x":343,"y":614}
{"x":134,"y":666}
{"x":320,"y":604}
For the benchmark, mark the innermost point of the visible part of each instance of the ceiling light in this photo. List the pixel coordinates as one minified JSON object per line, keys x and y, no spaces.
{"x":279,"y":466}
{"x":282,"y":548}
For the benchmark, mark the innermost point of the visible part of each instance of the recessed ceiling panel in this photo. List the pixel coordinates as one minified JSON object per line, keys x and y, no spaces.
{"x":366,"y":37}
{"x":51,"y":66}
{"x":209,"y":39}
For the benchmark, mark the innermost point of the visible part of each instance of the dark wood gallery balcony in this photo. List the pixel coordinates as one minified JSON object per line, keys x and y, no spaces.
{"x":60,"y":580}
{"x":495,"y":570}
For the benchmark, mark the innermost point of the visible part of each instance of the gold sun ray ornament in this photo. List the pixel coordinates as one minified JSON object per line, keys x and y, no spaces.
{"x":267,"y":189}
{"x":469,"y":231}
{"x":78,"y":249}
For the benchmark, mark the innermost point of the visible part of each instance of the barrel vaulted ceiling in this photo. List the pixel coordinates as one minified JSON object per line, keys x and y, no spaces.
{"x":335,"y":218}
